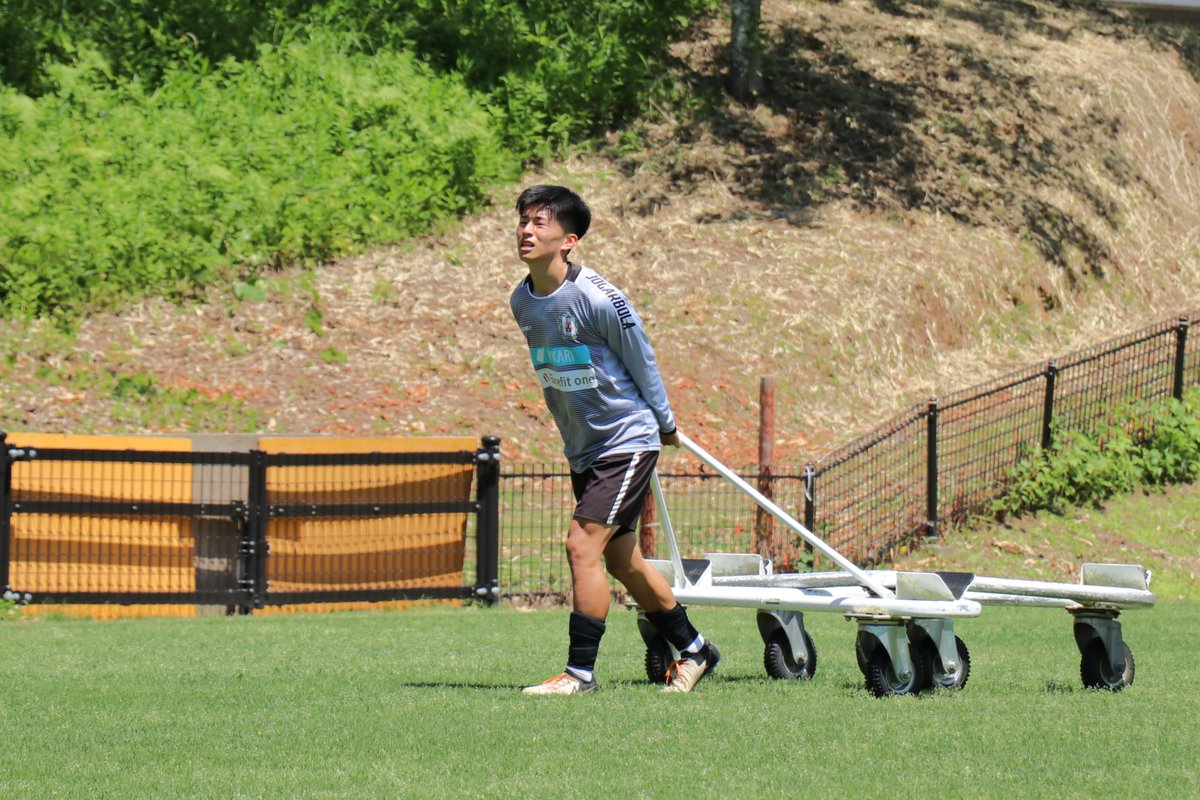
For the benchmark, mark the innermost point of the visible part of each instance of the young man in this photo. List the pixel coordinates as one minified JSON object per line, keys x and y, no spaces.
{"x":600,"y":380}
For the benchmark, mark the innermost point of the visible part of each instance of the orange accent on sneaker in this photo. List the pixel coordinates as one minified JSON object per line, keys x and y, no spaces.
{"x":684,"y":674}
{"x":561,"y":684}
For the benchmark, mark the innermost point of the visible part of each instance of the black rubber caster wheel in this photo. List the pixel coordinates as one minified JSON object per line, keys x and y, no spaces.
{"x":782,"y":665}
{"x":1097,"y":673}
{"x":864,"y":664}
{"x":883,"y":681}
{"x":938,"y":677}
{"x":658,"y":660}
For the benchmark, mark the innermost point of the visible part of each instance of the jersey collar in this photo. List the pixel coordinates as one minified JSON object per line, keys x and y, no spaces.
{"x":573,"y":271}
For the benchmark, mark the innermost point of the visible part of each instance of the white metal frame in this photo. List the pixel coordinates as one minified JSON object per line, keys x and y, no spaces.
{"x":889,"y":606}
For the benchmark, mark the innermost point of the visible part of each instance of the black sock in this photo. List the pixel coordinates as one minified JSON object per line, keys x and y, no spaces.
{"x":585,"y":633}
{"x":674,"y":626}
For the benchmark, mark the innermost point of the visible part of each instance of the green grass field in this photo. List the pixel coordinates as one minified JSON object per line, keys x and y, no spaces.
{"x":425,"y":704}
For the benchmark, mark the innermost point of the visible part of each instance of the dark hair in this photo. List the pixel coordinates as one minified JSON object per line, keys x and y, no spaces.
{"x":564,"y":205}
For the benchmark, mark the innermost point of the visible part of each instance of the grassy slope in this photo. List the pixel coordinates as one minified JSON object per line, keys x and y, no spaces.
{"x":928,"y":194}
{"x":1157,"y":530}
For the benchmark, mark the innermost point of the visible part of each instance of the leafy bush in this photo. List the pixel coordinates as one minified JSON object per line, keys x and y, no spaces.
{"x":10,"y":605}
{"x":146,"y":146}
{"x":554,"y":68}
{"x":1143,"y":445}
{"x":136,"y":38}
{"x":303,"y":153}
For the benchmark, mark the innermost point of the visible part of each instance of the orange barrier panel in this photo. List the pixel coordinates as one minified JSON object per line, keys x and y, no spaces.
{"x":99,"y":611}
{"x":376,"y":552}
{"x":101,"y":553}
{"x":114,"y":553}
{"x":378,"y":605}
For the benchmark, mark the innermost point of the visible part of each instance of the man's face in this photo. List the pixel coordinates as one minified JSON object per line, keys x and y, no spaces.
{"x":540,"y":238}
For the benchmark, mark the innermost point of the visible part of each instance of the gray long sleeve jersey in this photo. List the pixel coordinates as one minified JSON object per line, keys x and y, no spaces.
{"x":596,"y":367}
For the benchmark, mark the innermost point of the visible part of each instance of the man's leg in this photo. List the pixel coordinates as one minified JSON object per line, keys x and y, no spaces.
{"x":586,"y":541}
{"x":586,"y":545}
{"x":648,"y":587}
{"x":614,"y":489}
{"x":698,"y":657}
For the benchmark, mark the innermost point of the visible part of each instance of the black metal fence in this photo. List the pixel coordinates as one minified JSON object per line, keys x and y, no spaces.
{"x":926,"y":469}
{"x":244,"y":530}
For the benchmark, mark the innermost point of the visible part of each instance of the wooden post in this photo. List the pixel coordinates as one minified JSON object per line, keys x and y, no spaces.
{"x":764,"y":523}
{"x":647,"y":527}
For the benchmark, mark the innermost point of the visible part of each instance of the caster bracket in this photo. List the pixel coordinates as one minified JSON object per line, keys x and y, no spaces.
{"x":941,"y":633}
{"x":1091,"y":624}
{"x":792,"y":625}
{"x":892,"y":636}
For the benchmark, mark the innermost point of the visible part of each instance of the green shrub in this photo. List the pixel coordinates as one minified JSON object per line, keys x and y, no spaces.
{"x":140,"y":39}
{"x":306,"y":152}
{"x":1142,"y":445}
{"x":148,"y":146}
{"x":555,"y":68}
{"x":10,"y":606}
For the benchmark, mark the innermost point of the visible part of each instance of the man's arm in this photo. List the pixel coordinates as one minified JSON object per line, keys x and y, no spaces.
{"x":626,"y":335}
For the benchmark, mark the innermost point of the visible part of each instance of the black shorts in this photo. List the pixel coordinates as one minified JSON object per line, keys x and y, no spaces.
{"x":612,"y":490}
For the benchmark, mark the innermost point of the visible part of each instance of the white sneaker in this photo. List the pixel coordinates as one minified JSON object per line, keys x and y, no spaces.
{"x":684,"y":674}
{"x":563,"y":684}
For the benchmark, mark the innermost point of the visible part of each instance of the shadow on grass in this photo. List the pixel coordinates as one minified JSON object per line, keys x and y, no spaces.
{"x":1050,"y":687}
{"x":506,"y":687}
{"x":620,"y":683}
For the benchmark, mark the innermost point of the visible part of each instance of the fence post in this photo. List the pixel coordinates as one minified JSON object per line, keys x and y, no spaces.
{"x":648,"y":528}
{"x":253,"y":549}
{"x":5,"y":512}
{"x":1181,"y":329}
{"x":810,"y":510}
{"x":931,"y":471}
{"x":487,"y":520}
{"x":764,"y":528}
{"x":1048,"y":404}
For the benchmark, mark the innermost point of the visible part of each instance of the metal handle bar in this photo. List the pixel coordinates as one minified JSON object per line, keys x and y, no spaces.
{"x":781,"y":515}
{"x":664,"y":518}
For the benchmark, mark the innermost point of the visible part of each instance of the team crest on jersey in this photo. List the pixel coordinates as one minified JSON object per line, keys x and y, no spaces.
{"x":569,"y":327}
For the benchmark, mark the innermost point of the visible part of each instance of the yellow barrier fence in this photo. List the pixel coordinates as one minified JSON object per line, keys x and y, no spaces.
{"x":373,"y":527}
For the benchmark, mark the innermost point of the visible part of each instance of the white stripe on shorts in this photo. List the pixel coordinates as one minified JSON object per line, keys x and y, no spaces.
{"x":630,"y":470}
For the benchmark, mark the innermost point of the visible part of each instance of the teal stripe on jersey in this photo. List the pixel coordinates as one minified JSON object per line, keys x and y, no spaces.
{"x":560,"y":356}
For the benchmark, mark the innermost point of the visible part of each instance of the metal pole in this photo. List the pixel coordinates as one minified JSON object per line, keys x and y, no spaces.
{"x":1181,"y":330}
{"x":931,"y":471}
{"x":5,"y":511}
{"x":487,"y":521}
{"x":1048,"y":404}
{"x":781,"y":515}
{"x":810,"y":496}
{"x":764,"y":529}
{"x":665,"y":515}
{"x":810,"y":506}
{"x":254,"y":544}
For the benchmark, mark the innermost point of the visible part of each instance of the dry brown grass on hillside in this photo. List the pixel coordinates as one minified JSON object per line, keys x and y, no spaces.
{"x":928,"y":194}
